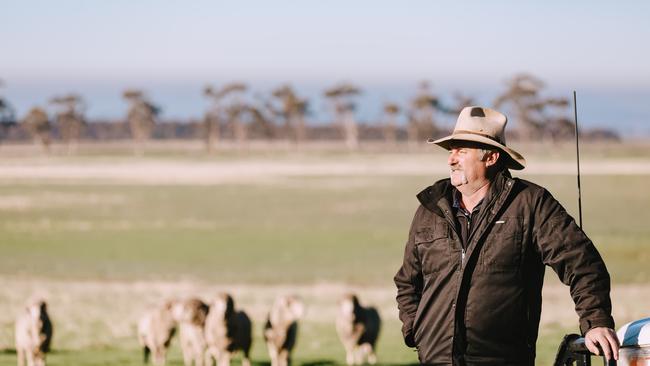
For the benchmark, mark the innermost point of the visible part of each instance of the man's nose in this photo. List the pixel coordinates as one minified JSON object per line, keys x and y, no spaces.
{"x":452,"y":159}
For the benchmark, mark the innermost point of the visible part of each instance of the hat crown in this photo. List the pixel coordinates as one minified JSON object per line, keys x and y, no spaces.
{"x":482,"y":121}
{"x":485,"y":126}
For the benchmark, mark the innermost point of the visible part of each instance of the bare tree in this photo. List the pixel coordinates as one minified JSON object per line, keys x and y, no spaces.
{"x":212,"y":119}
{"x":342,"y":97}
{"x":292,"y":110}
{"x":460,"y":101}
{"x":422,"y":124}
{"x":70,"y":119}
{"x":226,"y":107}
{"x":258,"y":118}
{"x":391,"y":110}
{"x":38,"y":125}
{"x":227,"y":102}
{"x":141,"y":118}
{"x":235,"y":114}
{"x":7,"y":116}
{"x":559,"y":126}
{"x":530,"y":108}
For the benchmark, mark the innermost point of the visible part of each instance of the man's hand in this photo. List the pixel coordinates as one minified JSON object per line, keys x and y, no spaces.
{"x":605,"y":338}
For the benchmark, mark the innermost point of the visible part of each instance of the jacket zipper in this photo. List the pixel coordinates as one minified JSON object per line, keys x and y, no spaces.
{"x":462,"y":250}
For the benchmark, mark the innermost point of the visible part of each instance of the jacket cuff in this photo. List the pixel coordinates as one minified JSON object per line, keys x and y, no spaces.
{"x":408,"y":336}
{"x":590,"y":323}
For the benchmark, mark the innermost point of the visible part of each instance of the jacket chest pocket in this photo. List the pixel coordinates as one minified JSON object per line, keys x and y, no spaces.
{"x":502,"y":250}
{"x":433,"y":247}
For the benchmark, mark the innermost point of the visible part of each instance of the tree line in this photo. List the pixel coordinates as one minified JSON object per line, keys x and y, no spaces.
{"x":283,"y":115}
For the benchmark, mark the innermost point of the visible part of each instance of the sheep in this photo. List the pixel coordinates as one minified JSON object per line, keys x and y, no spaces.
{"x":155,"y":331}
{"x":190,"y":315}
{"x":33,"y":333}
{"x":281,"y":329}
{"x":358,"y":328}
{"x":226,"y":332}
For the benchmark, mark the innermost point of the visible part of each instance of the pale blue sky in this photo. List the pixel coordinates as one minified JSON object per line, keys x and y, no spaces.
{"x":584,"y":41}
{"x":600,"y":46}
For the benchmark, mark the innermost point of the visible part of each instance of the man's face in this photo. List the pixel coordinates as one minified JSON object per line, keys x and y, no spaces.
{"x":466,"y":164}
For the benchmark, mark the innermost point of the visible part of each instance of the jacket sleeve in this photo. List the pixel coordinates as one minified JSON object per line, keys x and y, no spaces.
{"x":565,"y":248}
{"x":409,"y":286}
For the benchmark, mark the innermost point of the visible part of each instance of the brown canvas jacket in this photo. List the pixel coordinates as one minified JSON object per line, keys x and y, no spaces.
{"x":487,"y":302}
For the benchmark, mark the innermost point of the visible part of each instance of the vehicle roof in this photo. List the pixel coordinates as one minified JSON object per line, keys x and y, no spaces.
{"x":635,"y":334}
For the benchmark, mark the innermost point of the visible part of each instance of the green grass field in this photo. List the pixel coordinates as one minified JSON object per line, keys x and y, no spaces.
{"x":331,"y":229}
{"x":315,"y":230}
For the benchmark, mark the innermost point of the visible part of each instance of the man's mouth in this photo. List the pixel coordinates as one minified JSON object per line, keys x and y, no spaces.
{"x":458,"y":171}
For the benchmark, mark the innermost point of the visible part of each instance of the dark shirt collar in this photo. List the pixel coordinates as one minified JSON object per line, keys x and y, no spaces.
{"x":456,"y":203}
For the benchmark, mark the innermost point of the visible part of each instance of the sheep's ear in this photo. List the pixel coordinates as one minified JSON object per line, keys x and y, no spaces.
{"x":230,"y":304}
{"x":297,"y":308}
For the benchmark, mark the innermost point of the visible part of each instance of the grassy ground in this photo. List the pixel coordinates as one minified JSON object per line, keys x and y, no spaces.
{"x":331,"y":229}
{"x":103,"y":252}
{"x":324,"y":353}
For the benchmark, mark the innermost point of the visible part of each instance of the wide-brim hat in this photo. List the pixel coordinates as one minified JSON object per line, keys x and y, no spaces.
{"x":485,"y":126}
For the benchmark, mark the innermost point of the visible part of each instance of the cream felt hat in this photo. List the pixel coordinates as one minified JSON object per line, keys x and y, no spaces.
{"x":485,"y":126}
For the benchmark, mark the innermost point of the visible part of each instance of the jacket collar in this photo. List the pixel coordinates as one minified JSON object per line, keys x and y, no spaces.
{"x":430,"y":196}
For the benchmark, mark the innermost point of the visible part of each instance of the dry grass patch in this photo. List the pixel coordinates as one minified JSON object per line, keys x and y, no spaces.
{"x":54,"y":199}
{"x":187,"y":171}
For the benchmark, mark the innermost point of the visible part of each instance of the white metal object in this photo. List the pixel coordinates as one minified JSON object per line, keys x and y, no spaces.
{"x":635,"y":343}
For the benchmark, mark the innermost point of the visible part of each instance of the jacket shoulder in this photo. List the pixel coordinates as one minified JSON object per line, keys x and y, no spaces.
{"x":529,"y":188}
{"x":536,"y":197}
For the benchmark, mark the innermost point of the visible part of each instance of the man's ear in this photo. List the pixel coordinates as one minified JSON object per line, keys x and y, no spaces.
{"x":492,"y":158}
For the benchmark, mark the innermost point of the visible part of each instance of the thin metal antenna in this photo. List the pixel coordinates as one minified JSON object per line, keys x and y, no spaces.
{"x":575,"y":114}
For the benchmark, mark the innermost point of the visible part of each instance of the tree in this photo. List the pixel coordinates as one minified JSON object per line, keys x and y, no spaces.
{"x":7,"y":116}
{"x":226,"y":102}
{"x":292,"y":111}
{"x":558,"y":125}
{"x":421,"y":121}
{"x":38,"y":125}
{"x":258,"y":119}
{"x":212,"y":118}
{"x":141,"y":118}
{"x":70,"y":119}
{"x":342,"y":97}
{"x":461,"y":101}
{"x":391,"y":110}
{"x":530,"y":108}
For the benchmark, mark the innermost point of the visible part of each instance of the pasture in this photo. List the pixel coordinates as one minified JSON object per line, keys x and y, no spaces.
{"x":102,"y":235}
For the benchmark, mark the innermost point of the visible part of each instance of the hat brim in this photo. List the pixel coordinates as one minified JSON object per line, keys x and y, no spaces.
{"x":514,"y":159}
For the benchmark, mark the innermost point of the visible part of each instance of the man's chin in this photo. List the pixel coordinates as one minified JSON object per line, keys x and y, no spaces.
{"x":456,"y":182}
{"x":457,"y":178}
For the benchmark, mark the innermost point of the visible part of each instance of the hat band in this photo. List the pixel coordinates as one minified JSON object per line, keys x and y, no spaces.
{"x":496,"y":139}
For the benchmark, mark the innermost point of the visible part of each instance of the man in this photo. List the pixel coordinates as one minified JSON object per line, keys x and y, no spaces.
{"x":469,"y":289}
